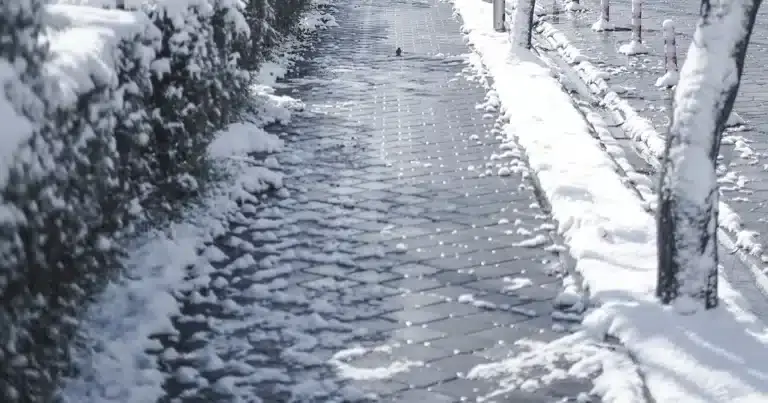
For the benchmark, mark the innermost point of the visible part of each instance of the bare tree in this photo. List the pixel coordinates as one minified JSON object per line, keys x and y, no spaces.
{"x":688,"y":194}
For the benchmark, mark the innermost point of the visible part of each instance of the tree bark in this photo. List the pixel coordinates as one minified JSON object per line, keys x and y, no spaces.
{"x":688,"y":192}
{"x":522,"y":24}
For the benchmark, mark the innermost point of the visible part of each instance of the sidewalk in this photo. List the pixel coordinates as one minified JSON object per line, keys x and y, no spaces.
{"x":407,"y":254}
{"x":744,"y":179}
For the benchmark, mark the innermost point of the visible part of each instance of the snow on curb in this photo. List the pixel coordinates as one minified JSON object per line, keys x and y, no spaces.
{"x":708,"y":357}
{"x":113,"y":364}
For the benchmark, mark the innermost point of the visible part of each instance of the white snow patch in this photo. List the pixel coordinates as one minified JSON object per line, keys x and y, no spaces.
{"x":632,"y":48}
{"x":242,"y":139}
{"x":349,"y":371}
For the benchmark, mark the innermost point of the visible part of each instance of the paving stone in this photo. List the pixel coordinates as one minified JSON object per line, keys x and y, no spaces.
{"x":423,"y":396}
{"x":424,"y":376}
{"x":413,"y":317}
{"x":465,"y":389}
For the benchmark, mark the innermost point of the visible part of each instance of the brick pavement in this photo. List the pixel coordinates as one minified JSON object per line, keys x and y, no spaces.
{"x":743,"y":171}
{"x":392,"y":218}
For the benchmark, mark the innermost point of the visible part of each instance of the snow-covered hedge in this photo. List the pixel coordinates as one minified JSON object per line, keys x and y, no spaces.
{"x":107,"y":113}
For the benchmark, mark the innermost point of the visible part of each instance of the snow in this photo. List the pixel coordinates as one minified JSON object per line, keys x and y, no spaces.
{"x":85,"y":51}
{"x":241,"y":139}
{"x":668,"y":80}
{"x":708,"y":357}
{"x":533,"y":368}
{"x":574,"y":5}
{"x":17,"y":128}
{"x":632,"y":48}
{"x":113,"y":359}
{"x":603,"y":25}
{"x":349,"y":371}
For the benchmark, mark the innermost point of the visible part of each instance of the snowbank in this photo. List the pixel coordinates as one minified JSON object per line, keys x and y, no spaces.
{"x":710,"y":357}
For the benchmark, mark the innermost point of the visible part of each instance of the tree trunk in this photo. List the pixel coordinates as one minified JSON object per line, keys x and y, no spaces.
{"x":522,"y":24}
{"x":688,"y":193}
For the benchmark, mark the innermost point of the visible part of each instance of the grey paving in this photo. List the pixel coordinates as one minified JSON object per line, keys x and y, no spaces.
{"x":744,"y":152}
{"x":390,"y":218}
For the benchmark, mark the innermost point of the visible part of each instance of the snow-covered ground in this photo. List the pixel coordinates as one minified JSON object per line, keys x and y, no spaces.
{"x":713,"y":356}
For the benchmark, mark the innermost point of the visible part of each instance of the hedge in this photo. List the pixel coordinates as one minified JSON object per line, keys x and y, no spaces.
{"x":107,"y":113}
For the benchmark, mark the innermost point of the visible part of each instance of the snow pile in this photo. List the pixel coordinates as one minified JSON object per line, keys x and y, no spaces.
{"x":713,"y":356}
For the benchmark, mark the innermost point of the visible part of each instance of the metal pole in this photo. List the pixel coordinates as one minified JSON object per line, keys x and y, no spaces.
{"x":671,"y":74}
{"x":498,"y":15}
{"x":670,"y":47}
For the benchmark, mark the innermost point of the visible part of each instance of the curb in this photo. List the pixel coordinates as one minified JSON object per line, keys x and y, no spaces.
{"x":649,"y":143}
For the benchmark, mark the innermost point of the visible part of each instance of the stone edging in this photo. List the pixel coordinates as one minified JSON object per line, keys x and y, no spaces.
{"x":649,"y":142}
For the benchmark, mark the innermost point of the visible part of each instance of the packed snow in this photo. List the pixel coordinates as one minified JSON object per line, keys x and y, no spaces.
{"x":713,"y":356}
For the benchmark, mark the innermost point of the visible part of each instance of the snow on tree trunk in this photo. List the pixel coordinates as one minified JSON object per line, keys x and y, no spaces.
{"x":522,"y":27}
{"x":688,"y":196}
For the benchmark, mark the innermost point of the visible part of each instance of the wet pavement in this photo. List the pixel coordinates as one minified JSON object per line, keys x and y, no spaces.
{"x":744,"y":176}
{"x":397,"y":258}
